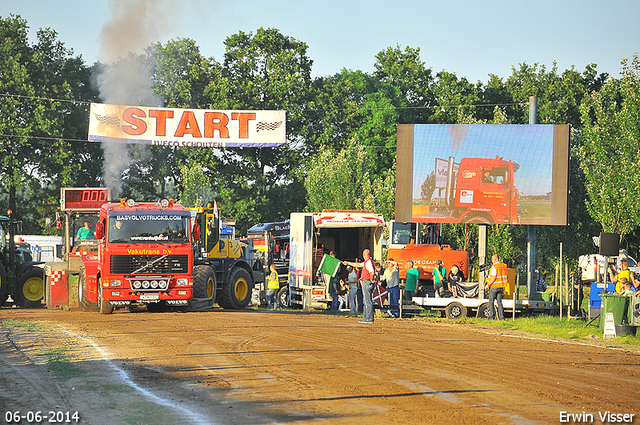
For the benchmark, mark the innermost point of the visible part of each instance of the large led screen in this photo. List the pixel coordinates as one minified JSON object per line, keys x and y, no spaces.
{"x":482,"y":173}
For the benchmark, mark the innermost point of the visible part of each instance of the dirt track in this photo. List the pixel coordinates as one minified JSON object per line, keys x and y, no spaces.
{"x":257,"y":367}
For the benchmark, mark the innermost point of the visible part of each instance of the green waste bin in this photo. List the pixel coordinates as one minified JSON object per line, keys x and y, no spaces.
{"x":616,"y":304}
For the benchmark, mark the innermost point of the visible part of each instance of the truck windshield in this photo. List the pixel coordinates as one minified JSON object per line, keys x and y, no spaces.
{"x":403,"y":233}
{"x":148,"y":227}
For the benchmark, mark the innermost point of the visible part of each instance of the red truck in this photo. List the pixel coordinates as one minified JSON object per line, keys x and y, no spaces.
{"x":482,"y":191}
{"x":144,"y":256}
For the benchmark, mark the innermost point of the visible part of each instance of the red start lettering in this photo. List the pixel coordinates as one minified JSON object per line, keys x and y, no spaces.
{"x":161,"y":116}
{"x":188,"y":125}
{"x":137,"y":126}
{"x":215,"y":123}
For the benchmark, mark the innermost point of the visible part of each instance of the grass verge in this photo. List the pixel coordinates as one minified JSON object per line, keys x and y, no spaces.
{"x":555,"y":327}
{"x":27,"y":325}
{"x":59,"y":363}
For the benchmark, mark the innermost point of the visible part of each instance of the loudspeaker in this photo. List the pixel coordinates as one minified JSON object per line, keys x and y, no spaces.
{"x":609,"y":244}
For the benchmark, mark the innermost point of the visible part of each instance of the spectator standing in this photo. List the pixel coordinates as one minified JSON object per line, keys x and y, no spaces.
{"x":352,"y":280}
{"x":273,"y":284}
{"x":377,"y":274}
{"x":359,"y":295}
{"x":334,"y":287}
{"x":439,"y":278}
{"x":366,"y":276}
{"x":496,"y":282}
{"x":541,"y":285}
{"x":413,"y":275}
{"x":392,"y":277}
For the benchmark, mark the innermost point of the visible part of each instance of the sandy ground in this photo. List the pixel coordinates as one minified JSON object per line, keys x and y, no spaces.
{"x":260,"y":367}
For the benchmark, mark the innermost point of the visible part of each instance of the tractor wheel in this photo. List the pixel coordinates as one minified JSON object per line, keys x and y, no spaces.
{"x":103,"y":306}
{"x":236,"y":294}
{"x":283,"y":297}
{"x":456,"y":311}
{"x":204,"y":282}
{"x":83,"y":301}
{"x":483,"y":311}
{"x":30,"y":288}
{"x":4,"y":286}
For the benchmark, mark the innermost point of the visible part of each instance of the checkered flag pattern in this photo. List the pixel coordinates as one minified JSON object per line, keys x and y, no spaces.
{"x":104,"y":119}
{"x":56,"y":276}
{"x":269,"y":126}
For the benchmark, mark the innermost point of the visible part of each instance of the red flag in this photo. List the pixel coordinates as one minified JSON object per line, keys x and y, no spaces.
{"x":379,"y":295}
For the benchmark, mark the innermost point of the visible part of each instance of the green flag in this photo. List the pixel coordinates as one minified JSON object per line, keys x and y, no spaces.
{"x":329,"y":265}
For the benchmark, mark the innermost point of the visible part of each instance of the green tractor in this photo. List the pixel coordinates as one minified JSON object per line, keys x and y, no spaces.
{"x":20,"y":277}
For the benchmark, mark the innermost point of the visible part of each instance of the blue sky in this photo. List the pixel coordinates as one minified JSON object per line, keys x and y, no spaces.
{"x":470,"y":38}
{"x":530,"y":146}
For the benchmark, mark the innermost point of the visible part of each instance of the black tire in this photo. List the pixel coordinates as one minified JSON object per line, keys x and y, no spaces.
{"x":30,"y":288}
{"x":483,"y":311}
{"x":456,"y":310}
{"x":283,"y":297}
{"x":236,"y":294}
{"x":4,"y":286}
{"x":103,"y":306}
{"x":204,"y":282}
{"x":83,"y":301}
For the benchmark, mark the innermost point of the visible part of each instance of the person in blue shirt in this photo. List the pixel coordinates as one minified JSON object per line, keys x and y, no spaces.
{"x":85,"y":233}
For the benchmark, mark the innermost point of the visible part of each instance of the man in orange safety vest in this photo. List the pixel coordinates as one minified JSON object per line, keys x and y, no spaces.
{"x":496,"y":282}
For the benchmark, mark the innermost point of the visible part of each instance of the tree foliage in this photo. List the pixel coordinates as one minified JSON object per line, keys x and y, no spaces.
{"x":343,"y":180}
{"x":39,"y":113}
{"x":610,"y":150}
{"x":341,"y":131}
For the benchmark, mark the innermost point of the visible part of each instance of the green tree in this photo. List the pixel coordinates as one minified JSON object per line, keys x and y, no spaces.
{"x":404,"y":71}
{"x":265,"y":70}
{"x":610,"y":150}
{"x":195,"y":184}
{"x":41,"y":84}
{"x":455,"y":99}
{"x":343,"y":180}
{"x":427,"y":188}
{"x":558,"y":95}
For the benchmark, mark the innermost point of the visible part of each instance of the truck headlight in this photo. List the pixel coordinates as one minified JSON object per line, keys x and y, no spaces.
{"x":162,"y":284}
{"x":145,"y":284}
{"x":115,"y":282}
{"x":182,"y":282}
{"x":154,"y":284}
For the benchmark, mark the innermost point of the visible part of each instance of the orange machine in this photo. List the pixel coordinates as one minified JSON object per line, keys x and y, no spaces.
{"x":402,"y":247}
{"x":424,"y":257}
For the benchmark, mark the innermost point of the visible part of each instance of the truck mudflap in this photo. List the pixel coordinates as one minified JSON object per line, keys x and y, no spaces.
{"x":200,"y":304}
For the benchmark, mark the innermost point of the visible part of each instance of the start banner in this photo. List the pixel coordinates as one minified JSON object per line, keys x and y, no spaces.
{"x":200,"y":128}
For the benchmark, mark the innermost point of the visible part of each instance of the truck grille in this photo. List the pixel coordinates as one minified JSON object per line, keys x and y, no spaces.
{"x":149,"y":264}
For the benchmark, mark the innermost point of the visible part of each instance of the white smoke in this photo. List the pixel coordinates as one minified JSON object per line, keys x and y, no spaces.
{"x":127,"y":78}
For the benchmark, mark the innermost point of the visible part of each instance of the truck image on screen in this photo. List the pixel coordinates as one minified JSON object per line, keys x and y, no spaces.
{"x":483,"y":191}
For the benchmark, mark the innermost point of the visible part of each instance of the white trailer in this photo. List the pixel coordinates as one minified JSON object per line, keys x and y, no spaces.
{"x":458,"y":308}
{"x":312,"y":235}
